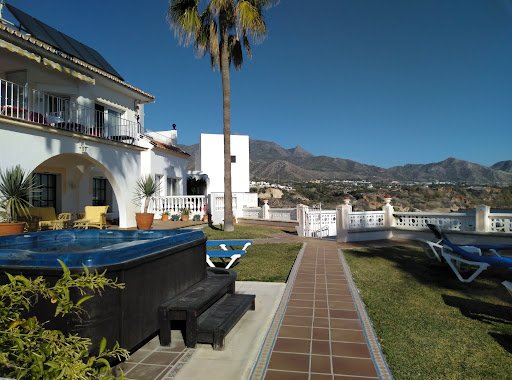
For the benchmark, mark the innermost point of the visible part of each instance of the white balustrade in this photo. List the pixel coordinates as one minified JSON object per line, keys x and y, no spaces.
{"x":447,"y":221}
{"x":367,"y":219}
{"x":498,"y":222}
{"x":197,"y":204}
{"x":283,"y":214}
{"x":253,"y":213}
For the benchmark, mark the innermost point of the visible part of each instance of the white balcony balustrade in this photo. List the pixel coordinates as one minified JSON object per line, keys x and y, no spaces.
{"x":34,"y":106}
{"x":196,"y":204}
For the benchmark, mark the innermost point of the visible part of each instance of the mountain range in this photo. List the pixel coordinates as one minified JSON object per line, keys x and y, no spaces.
{"x":269,"y":161}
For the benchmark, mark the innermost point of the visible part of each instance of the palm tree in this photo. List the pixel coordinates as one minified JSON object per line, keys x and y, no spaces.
{"x":220,"y":28}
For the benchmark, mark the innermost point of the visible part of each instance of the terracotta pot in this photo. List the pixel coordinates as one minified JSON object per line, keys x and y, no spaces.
{"x":184,"y":218}
{"x":11,"y":228}
{"x":144,"y":220}
{"x":205,"y":218}
{"x":165,"y":218}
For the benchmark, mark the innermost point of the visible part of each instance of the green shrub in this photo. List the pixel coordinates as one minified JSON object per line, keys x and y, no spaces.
{"x":30,"y":351}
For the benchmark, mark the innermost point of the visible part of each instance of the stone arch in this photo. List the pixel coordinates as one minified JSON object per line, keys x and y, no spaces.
{"x":72,"y":166}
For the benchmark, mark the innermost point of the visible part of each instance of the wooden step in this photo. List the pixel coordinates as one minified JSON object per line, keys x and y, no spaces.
{"x":190,"y":304}
{"x":215,"y":323}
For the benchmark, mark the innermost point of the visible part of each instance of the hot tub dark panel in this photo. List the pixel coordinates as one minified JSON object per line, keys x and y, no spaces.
{"x":169,"y":264}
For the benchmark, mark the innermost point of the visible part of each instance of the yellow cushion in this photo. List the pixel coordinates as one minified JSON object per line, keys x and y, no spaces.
{"x":93,"y":213}
{"x":45,"y":213}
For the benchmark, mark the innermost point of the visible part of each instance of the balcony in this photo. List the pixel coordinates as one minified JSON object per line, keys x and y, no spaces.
{"x":34,"y":106}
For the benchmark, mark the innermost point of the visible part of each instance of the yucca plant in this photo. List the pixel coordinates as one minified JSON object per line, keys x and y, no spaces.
{"x":15,"y":189}
{"x":146,"y":187}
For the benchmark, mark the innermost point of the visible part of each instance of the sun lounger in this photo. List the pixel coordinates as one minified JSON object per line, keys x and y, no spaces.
{"x":462,"y":257}
{"x":432,"y":248}
{"x":224,"y":253}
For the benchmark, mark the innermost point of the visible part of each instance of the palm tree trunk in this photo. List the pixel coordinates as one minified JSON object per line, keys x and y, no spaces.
{"x":226,"y":94}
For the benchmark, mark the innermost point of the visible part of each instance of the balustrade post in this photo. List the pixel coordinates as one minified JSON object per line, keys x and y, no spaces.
{"x":388,"y":212}
{"x":301,"y":218}
{"x":266,"y":209}
{"x":342,"y":222}
{"x":482,"y":218}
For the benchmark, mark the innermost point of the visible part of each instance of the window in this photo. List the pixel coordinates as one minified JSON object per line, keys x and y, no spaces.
{"x":57,"y":109}
{"x":46,"y":196}
{"x":99,"y":119}
{"x":233,"y":159}
{"x":159,"y":180}
{"x":99,"y":196}
{"x":107,"y":121}
{"x":172,"y":186}
{"x":113,"y":122}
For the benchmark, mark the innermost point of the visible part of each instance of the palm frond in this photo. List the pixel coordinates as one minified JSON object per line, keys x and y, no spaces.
{"x":263,"y":4}
{"x":247,"y":45}
{"x":220,"y":5}
{"x":236,"y":55}
{"x":250,"y":20}
{"x":201,"y":43}
{"x":183,"y":16}
{"x":214,"y":44}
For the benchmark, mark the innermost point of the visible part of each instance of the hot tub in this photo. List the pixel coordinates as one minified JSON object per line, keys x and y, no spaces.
{"x":153,"y":265}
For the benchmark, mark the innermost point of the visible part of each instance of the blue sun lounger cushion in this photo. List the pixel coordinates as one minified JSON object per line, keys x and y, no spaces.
{"x":226,"y":253}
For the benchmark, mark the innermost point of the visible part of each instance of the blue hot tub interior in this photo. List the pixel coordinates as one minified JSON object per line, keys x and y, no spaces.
{"x":93,"y":248}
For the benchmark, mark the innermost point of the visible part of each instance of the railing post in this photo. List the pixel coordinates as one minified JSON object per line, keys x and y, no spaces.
{"x":266,"y":209}
{"x":342,"y":222}
{"x":482,"y":218}
{"x":301,"y":218}
{"x":388,"y":212}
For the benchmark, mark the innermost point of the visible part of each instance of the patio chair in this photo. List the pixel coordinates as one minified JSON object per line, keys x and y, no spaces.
{"x":462,"y":257}
{"x":47,"y":218}
{"x":94,"y":216}
{"x":224,"y":253}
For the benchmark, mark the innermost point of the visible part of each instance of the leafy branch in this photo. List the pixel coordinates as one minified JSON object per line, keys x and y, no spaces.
{"x":29,"y":351}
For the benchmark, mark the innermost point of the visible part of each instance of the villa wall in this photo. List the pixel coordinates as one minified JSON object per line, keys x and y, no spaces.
{"x":212,"y":162}
{"x":60,"y":153}
{"x":168,"y":166}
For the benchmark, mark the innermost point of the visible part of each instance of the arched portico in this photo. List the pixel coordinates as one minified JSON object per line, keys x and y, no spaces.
{"x":75,"y":159}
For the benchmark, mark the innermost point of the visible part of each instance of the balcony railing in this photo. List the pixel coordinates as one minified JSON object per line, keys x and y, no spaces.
{"x":35,"y":106}
{"x":196,"y":204}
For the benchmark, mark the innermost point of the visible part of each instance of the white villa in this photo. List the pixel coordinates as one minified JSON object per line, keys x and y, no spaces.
{"x":69,"y":118}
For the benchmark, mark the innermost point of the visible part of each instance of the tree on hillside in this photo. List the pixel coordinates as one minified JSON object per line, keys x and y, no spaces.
{"x":221,"y":28}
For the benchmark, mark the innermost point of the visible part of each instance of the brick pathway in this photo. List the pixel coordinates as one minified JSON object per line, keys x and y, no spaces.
{"x":321,"y":330}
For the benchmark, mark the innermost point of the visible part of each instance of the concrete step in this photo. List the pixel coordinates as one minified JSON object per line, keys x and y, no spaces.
{"x":215,"y":323}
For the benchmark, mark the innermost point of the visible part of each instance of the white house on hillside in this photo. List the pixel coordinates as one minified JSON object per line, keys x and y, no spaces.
{"x":69,"y":118}
{"x":211,"y":163}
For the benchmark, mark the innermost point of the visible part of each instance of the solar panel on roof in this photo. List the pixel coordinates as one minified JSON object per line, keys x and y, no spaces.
{"x":61,"y":41}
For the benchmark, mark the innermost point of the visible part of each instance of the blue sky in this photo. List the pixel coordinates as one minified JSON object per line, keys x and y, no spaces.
{"x":380,"y":82}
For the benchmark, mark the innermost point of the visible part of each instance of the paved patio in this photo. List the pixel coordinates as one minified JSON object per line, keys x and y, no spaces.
{"x":313,"y":327}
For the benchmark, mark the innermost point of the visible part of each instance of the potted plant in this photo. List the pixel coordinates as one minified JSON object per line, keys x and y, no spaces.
{"x":146,"y":187}
{"x":175,"y":217}
{"x":206,"y":215}
{"x":196,"y":217}
{"x":165,"y":216}
{"x":15,"y":189}
{"x":185,"y":213}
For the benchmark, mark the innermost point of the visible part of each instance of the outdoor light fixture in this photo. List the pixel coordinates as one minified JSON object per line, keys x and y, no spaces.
{"x":82,"y":146}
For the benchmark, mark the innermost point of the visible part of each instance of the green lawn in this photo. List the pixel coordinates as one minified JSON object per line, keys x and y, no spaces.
{"x":240,"y":232}
{"x":430,"y":325}
{"x":266,"y":262}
